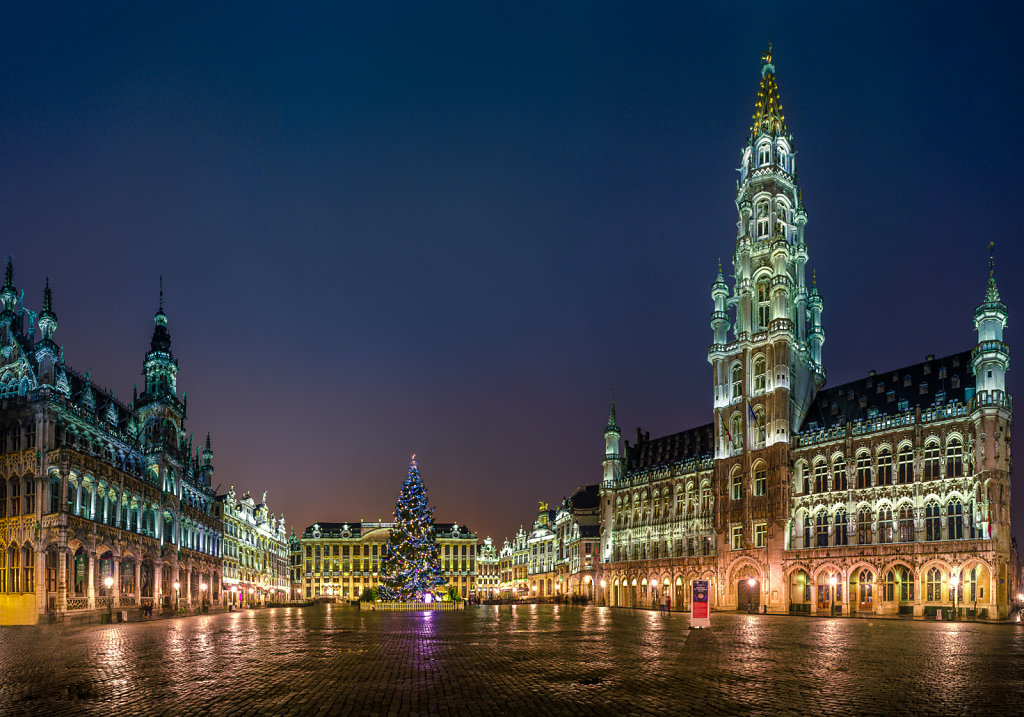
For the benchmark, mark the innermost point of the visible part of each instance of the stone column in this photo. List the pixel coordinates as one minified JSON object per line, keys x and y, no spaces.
{"x":138,"y":581}
{"x":188,"y":583}
{"x":115,"y":589}
{"x":158,"y":574}
{"x":91,"y":579}
{"x":62,"y":577}
{"x":41,"y":581}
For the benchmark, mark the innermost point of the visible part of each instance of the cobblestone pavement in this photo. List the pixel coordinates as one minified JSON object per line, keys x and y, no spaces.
{"x":510,"y":660}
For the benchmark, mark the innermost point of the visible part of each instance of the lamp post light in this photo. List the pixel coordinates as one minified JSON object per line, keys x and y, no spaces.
{"x":109,"y":582}
{"x":177,"y":591}
{"x":832,"y":594}
{"x":750,"y":603}
{"x":954,"y":581}
{"x":202,"y":591}
{"x":252,"y":597}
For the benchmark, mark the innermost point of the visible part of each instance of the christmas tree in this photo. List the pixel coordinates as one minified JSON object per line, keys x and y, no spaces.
{"x":411,"y":565}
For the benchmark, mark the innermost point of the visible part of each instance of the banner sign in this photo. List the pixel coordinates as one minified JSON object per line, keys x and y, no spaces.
{"x":699,"y":613}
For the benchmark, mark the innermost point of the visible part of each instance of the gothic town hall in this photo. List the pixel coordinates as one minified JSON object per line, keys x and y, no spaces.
{"x":886,"y":495}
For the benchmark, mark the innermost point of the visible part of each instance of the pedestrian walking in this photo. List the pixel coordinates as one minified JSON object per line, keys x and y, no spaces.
{"x":668,"y":603}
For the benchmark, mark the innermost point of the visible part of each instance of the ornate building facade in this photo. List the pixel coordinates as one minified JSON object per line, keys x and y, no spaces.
{"x":343,"y":559}
{"x":94,"y":489}
{"x":488,"y":574}
{"x":256,"y":549}
{"x":885,"y":495}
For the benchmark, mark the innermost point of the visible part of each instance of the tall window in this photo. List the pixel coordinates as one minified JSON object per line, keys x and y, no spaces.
{"x":30,"y":495}
{"x":820,"y":477}
{"x":955,"y":520}
{"x":737,"y":538}
{"x":864,"y":527}
{"x":932,"y":522}
{"x":764,"y":304}
{"x":15,"y":496}
{"x":737,"y":486}
{"x":954,"y":458}
{"x":906,"y":585}
{"x":906,"y":524}
{"x":680,"y":502}
{"x":705,"y":498}
{"x":657,"y":506}
{"x":760,"y":374}
{"x":762,"y":219}
{"x":781,"y":216}
{"x":737,"y":431}
{"x":839,"y":524}
{"x":760,"y":480}
{"x":839,"y":475}
{"x":736,"y":380}
{"x":821,"y":530}
{"x":889,"y":587}
{"x":933,"y":585}
{"x":764,"y":154}
{"x":864,"y":470}
{"x":759,"y":426}
{"x":905,"y":465}
{"x":885,"y":528}
{"x":884,"y":467}
{"x":781,"y":157}
{"x":931,"y":460}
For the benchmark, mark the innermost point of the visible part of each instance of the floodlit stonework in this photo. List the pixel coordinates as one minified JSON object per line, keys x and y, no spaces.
{"x":885,"y":495}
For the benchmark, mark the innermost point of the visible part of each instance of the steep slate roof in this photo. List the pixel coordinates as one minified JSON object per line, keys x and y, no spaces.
{"x":589,"y":497}
{"x":922,"y":385}
{"x":694,"y":443}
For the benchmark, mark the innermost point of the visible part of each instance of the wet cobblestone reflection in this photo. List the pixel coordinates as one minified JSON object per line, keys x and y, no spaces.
{"x":510,"y":660}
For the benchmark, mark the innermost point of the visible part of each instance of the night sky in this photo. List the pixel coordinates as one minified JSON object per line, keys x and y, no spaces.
{"x":452,"y":229}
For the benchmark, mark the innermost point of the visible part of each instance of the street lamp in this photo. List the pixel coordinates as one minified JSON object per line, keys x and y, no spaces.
{"x":750,"y":602}
{"x":252,"y":598}
{"x":954,"y":581}
{"x":177,"y":589}
{"x":202,"y":591}
{"x":832,"y":594}
{"x":109,"y":582}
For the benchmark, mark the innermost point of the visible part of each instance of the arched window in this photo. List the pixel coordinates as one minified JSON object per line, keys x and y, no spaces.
{"x":760,"y":479}
{"x":840,"y":528}
{"x":737,"y":485}
{"x":680,"y":497}
{"x":764,"y":304}
{"x":864,"y":527}
{"x":972,"y":584}
{"x":885,"y":527}
{"x":3,"y":498}
{"x":933,"y":585}
{"x":737,"y":431}
{"x":821,"y":530}
{"x":931,"y":460}
{"x":759,"y":426}
{"x":839,"y":475}
{"x":736,"y":381}
{"x":905,"y":463}
{"x":932,"y":522}
{"x":954,"y":458}
{"x":764,"y":154}
{"x":762,"y":219}
{"x":820,"y":476}
{"x":781,"y":217}
{"x":15,"y":493}
{"x":657,"y":506}
{"x":906,"y":524}
{"x":808,"y":522}
{"x":760,"y":374}
{"x":884,"y":467}
{"x":782,"y":158}
{"x":889,"y":586}
{"x":705,"y":498}
{"x":864,"y":470}
{"x":954,"y":520}
{"x":906,"y":585}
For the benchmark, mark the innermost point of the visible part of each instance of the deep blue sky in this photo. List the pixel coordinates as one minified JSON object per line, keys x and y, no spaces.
{"x":449,"y":229}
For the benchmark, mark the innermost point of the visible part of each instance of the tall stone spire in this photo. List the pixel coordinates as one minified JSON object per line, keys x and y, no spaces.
{"x":768,"y":117}
{"x":991,"y":357}
{"x":47,"y":318}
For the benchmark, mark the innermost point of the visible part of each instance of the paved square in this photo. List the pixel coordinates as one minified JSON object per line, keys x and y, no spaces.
{"x":510,"y":660}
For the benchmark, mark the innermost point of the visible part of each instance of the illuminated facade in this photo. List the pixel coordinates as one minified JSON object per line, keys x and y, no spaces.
{"x":488,"y":575}
{"x":885,"y":495}
{"x":256,"y":552}
{"x":94,"y":488}
{"x":343,"y":559}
